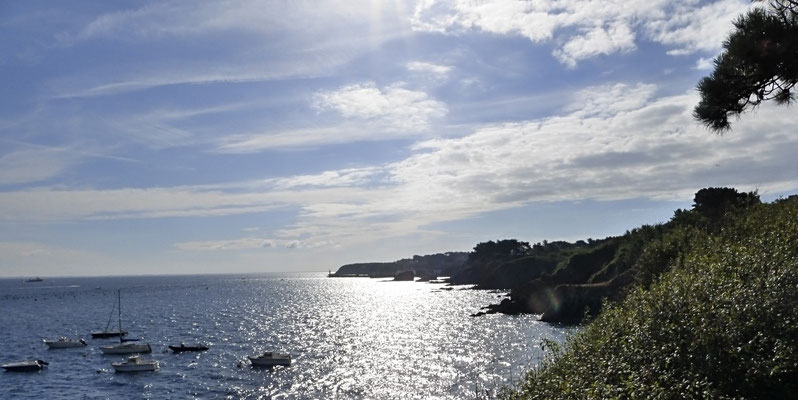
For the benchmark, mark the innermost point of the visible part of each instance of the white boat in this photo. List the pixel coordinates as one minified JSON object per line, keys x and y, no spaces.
{"x":125,"y":347}
{"x":135,"y":364}
{"x":270,"y":359}
{"x":25,"y":366}
{"x":64,"y":343}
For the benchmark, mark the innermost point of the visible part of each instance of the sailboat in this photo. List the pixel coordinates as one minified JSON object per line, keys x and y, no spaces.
{"x":125,"y":347}
{"x":106,"y":333}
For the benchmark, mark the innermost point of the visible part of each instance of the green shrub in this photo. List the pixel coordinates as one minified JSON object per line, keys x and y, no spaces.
{"x":720,"y":323}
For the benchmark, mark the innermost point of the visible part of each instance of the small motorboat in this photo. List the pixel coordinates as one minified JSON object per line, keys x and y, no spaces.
{"x":183,"y":347}
{"x":64,"y":343}
{"x":25,"y":366}
{"x":135,"y":364}
{"x":270,"y":359}
{"x":127,"y":348}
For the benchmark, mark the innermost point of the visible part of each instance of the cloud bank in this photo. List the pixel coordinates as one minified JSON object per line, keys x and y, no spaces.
{"x":582,"y":29}
{"x":617,"y":142}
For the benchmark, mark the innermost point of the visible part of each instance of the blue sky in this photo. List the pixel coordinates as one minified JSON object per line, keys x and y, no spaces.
{"x":150,"y":137}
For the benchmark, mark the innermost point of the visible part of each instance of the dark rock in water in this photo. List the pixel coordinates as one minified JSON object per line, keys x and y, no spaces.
{"x":405,"y":276}
{"x":506,"y":306}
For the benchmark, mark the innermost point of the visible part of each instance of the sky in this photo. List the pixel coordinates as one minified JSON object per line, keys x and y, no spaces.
{"x":179,"y":137}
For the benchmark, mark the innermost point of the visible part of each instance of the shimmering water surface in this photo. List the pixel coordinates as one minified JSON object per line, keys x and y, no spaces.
{"x":349,"y":337}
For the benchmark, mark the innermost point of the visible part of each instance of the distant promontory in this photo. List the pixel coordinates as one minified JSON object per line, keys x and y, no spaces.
{"x":428,"y":266}
{"x":566,"y":281}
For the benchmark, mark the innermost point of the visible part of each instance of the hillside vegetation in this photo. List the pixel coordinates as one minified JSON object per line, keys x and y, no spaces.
{"x":565,"y":282}
{"x":712,"y":312}
{"x":432,"y":265}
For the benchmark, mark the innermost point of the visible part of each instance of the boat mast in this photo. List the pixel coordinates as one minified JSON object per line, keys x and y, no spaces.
{"x":110,"y":315}
{"x":119,"y":300}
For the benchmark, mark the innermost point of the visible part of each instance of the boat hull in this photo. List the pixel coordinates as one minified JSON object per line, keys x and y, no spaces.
{"x":126,"y":348}
{"x":140,"y":367}
{"x":107,"y":334}
{"x":24,"y":366}
{"x":271,"y":360}
{"x":179,"y":349}
{"x":64,"y":343}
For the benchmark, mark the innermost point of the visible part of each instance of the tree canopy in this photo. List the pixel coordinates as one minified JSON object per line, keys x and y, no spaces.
{"x":759,"y":63}
{"x":713,"y":202}
{"x":499,"y":249}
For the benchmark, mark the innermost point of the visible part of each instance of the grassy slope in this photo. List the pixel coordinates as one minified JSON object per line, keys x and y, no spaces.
{"x":717,"y":320}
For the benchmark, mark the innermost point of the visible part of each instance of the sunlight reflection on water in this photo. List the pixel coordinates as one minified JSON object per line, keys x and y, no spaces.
{"x":349,"y":337}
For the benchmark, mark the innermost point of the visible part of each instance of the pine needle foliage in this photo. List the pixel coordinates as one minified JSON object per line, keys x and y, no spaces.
{"x":759,"y":63}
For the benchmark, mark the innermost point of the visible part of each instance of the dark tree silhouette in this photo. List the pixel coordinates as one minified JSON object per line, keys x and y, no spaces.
{"x":499,"y":249}
{"x":759,"y":63}
{"x":714,"y":202}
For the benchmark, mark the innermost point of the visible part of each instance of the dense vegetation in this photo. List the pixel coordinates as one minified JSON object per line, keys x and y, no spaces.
{"x":562,"y":280}
{"x":432,"y":265}
{"x":712,"y":313}
{"x":702,"y":306}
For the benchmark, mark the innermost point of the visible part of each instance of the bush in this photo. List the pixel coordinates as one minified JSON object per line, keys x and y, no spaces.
{"x":719,"y":323}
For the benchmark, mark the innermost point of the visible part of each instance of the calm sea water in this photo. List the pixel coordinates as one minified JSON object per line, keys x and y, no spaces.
{"x":349,"y":337}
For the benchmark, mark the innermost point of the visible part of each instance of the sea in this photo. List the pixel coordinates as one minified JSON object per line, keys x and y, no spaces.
{"x":349,"y":338}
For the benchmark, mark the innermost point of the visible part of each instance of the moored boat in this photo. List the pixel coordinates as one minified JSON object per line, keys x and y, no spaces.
{"x":25,"y":366}
{"x":64,"y":343}
{"x":107,"y":334}
{"x":183,"y":347}
{"x":135,"y":364}
{"x":110,"y":333}
{"x":270,"y":359}
{"x":126,"y":348}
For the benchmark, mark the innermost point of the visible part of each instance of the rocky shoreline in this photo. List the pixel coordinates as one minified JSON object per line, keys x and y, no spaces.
{"x":566,"y":282}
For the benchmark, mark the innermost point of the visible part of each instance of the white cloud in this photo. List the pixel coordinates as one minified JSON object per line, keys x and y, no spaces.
{"x":198,"y":72}
{"x":705,"y":63}
{"x":344,"y":177}
{"x":304,"y":138}
{"x":236,"y":244}
{"x":35,"y":164}
{"x":171,"y":18}
{"x":62,"y":204}
{"x":249,"y":243}
{"x":607,"y":100}
{"x":281,"y":40}
{"x":621,"y":143}
{"x":394,"y":107}
{"x":365,"y":111}
{"x":440,"y":72}
{"x":625,"y":144}
{"x":597,"y":41}
{"x":693,"y":27}
{"x":583,"y":28}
